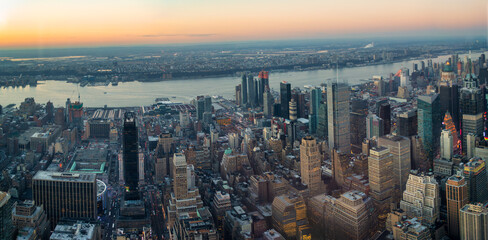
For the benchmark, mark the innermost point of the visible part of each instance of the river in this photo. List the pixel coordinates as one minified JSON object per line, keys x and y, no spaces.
{"x":144,"y":93}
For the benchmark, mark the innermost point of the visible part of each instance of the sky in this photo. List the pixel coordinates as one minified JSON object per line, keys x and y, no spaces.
{"x":67,"y":23}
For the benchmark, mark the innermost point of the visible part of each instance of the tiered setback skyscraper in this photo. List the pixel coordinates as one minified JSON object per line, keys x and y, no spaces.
{"x":185,"y":196}
{"x":473,"y":221}
{"x":338,"y":117}
{"x":421,"y":198}
{"x":457,"y":197}
{"x":130,"y":156}
{"x":380,"y":178}
{"x":66,"y":195}
{"x":310,"y":164}
{"x":429,"y":122}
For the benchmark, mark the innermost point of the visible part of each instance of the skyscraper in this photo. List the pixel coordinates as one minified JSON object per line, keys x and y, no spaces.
{"x":6,"y":206}
{"x":251,"y":91}
{"x":421,"y":198}
{"x":407,"y":123}
{"x":323,"y":124}
{"x":384,"y":112}
{"x":208,"y":104}
{"x":380,"y":166}
{"x":352,"y":216}
{"x":315,"y":99}
{"x":285,"y":97}
{"x":244,"y":90}
{"x":473,"y":221}
{"x":472,"y":106}
{"x":456,"y":197}
{"x":429,"y":122}
{"x":185,"y":196}
{"x":475,"y":175}
{"x":449,"y":125}
{"x":310,"y":164}
{"x":359,"y":111}
{"x":263,"y":83}
{"x":268,"y":103}
{"x":130,"y":156}
{"x":238,"y":95}
{"x":400,"y":149}
{"x":338,"y":117}
{"x":66,"y":195}
{"x":374,"y":126}
{"x":200,"y":108}
{"x":446,"y":144}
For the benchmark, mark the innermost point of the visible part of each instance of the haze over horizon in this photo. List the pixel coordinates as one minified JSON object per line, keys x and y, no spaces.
{"x":55,"y":23}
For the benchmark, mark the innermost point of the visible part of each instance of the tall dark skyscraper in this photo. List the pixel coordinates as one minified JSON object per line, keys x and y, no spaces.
{"x":359,"y":111}
{"x":244,"y":90}
{"x":449,"y":99}
{"x":208,"y":104}
{"x":385,"y":114}
{"x":313,"y":117}
{"x":429,"y":122}
{"x":200,"y":108}
{"x":130,"y":156}
{"x":285,"y":97}
{"x":251,"y":92}
{"x":407,"y":123}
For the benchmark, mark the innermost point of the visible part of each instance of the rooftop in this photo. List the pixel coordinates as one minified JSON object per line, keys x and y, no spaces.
{"x":64,"y":177}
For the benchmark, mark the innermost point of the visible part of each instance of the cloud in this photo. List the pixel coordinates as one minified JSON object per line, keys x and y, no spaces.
{"x":179,"y":35}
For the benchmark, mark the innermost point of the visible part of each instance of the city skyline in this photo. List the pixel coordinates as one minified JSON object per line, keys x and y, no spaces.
{"x":56,"y":23}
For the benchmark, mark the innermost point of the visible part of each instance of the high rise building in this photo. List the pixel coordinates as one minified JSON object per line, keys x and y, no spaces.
{"x":456,"y":197}
{"x":310,"y":164}
{"x":374,"y":126}
{"x":268,"y":102}
{"x":359,"y":111}
{"x":208,"y":104}
{"x":421,"y":198}
{"x":407,"y":123}
{"x":384,"y":112}
{"x":429,"y":122}
{"x":244,"y":90}
{"x":130,"y":154}
{"x":251,"y":91}
{"x":200,"y":108}
{"x":285,"y":97}
{"x":6,"y":206}
{"x":27,"y":215}
{"x":293,"y":110}
{"x":380,"y":166}
{"x":66,"y":195}
{"x":449,"y":125}
{"x":472,"y":106}
{"x":239,"y":95}
{"x":289,"y":215}
{"x":263,"y":82}
{"x":473,"y":221}
{"x":405,"y":78}
{"x":338,"y":117}
{"x":353,"y":218}
{"x":322,"y":124}
{"x":315,"y":99}
{"x":474,"y":173}
{"x":446,"y":144}
{"x":185,"y":197}
{"x":400,"y":148}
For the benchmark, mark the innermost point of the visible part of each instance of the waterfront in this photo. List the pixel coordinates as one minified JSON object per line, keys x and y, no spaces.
{"x":143,"y":93}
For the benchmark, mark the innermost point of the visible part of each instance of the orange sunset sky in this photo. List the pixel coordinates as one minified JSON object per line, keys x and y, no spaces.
{"x":60,"y":23}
